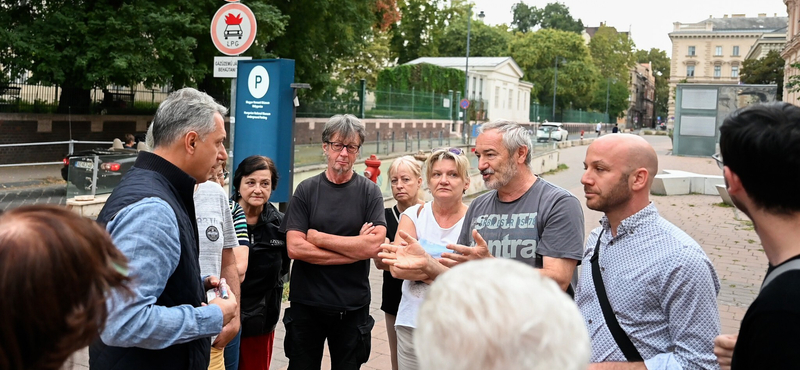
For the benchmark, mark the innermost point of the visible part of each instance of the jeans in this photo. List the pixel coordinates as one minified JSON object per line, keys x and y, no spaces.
{"x":232,"y":352}
{"x":349,"y":335}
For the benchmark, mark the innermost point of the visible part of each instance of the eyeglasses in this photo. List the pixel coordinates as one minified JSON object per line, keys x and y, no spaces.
{"x":453,"y":150}
{"x":718,"y":157}
{"x":337,"y":147}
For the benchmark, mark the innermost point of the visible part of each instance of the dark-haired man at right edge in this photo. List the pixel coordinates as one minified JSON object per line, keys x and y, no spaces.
{"x":760,"y":147}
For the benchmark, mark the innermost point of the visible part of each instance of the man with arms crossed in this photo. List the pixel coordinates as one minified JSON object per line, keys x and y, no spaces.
{"x":523,"y":217}
{"x":334,"y":225}
{"x":165,"y":323}
{"x":660,"y":285}
{"x":760,"y":148}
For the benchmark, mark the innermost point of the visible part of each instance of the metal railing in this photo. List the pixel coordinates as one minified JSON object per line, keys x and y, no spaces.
{"x":71,"y":144}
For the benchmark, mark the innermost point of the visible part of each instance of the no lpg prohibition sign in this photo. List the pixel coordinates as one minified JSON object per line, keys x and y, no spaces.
{"x":233,"y":28}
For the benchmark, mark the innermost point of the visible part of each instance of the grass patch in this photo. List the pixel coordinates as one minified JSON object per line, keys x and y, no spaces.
{"x":561,"y":167}
{"x":748,"y":225}
{"x":722,"y":205}
{"x":751,"y":241}
{"x":691,"y":205}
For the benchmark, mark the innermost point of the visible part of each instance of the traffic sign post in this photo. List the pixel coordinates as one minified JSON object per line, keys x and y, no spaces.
{"x":233,"y":29}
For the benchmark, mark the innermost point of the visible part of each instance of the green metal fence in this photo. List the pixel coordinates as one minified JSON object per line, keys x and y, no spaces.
{"x":540,"y":113}
{"x":411,"y":104}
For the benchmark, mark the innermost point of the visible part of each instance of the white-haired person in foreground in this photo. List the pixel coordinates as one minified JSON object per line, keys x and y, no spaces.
{"x":499,"y":314}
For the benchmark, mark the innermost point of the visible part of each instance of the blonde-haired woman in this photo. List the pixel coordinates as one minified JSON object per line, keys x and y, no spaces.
{"x":405,"y":175}
{"x":423,"y":232}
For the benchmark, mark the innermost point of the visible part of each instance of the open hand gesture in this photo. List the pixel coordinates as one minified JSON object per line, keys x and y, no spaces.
{"x":464,"y":253}
{"x":408,"y":255}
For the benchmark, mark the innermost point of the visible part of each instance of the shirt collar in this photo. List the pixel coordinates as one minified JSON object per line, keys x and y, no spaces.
{"x":646,"y":216}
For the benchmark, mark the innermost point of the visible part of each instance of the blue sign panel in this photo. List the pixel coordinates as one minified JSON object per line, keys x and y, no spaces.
{"x":264,"y":107}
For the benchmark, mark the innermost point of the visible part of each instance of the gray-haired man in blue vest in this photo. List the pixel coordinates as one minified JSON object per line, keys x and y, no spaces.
{"x":164,"y":323}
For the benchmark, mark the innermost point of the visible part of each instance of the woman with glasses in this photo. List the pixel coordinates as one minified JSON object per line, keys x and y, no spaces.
{"x":268,"y":261}
{"x":405,"y":175}
{"x":434,"y":225}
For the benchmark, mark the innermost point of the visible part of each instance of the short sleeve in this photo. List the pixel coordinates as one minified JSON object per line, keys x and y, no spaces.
{"x":562,"y":234}
{"x":297,"y":214}
{"x":239,"y":223}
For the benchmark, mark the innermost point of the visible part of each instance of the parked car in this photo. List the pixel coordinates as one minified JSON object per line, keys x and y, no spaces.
{"x":112,"y":164}
{"x":553,"y":131}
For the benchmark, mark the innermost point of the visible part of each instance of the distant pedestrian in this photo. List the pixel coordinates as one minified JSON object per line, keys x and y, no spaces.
{"x":750,"y":138}
{"x":598,"y":128}
{"x":56,"y":269}
{"x":615,"y":129}
{"x":130,"y":142}
{"x":650,"y":298}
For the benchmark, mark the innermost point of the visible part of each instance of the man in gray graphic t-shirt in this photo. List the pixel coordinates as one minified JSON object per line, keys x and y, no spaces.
{"x":523,"y":217}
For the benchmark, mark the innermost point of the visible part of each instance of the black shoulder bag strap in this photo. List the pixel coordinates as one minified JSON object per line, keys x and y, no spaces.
{"x":624,"y":343}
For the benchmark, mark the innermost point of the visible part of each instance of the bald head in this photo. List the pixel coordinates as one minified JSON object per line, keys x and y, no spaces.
{"x":630,"y":149}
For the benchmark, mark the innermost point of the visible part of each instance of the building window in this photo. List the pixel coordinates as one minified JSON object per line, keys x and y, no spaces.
{"x":735,"y":71}
{"x":689,"y":71}
{"x":718,"y":51}
{"x":717,"y":71}
{"x":691,"y":51}
{"x":480,"y":89}
{"x":519,"y":95}
{"x":735,"y":51}
{"x":473,"y":88}
{"x":497,"y":97}
{"x":510,"y":99}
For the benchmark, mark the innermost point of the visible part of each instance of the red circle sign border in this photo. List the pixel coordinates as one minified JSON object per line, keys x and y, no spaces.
{"x":218,"y":16}
{"x":463,"y":103}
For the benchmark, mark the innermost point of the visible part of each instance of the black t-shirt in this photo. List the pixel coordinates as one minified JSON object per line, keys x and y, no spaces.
{"x":391,"y":288}
{"x":769,"y":336}
{"x":338,"y":209}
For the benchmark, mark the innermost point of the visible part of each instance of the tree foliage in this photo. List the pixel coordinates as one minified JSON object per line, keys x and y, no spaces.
{"x":613,"y":92}
{"x":767,"y":70}
{"x":537,"y":52}
{"x":485,"y":41}
{"x":421,"y":77}
{"x":321,"y":33}
{"x":421,"y":27}
{"x":83,"y":44}
{"x":367,"y":63}
{"x":612,"y":53}
{"x":554,"y":15}
{"x":660,"y":65}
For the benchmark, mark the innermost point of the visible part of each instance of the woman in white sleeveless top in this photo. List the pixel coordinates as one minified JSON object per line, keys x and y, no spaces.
{"x":434,"y":225}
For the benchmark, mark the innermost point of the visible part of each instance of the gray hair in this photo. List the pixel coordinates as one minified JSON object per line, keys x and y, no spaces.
{"x":523,"y":320}
{"x":345,"y":125}
{"x":514,"y":136}
{"x":183,"y":111}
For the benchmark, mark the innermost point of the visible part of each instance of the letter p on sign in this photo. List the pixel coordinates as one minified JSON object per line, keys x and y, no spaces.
{"x":258,"y":82}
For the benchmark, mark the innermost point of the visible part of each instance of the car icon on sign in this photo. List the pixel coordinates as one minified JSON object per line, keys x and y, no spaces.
{"x":233,"y":30}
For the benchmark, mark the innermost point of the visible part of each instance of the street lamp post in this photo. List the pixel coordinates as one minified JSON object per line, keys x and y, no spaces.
{"x":465,"y":131}
{"x":555,"y":87}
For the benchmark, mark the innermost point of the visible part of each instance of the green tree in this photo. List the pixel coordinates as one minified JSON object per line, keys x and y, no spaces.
{"x":84,"y":44}
{"x":660,"y":65}
{"x":320,"y":34}
{"x":767,"y":70}
{"x":614,"y":93}
{"x":612,"y":53}
{"x":421,"y":27}
{"x":537,"y":52}
{"x":554,"y":15}
{"x":525,"y":17}
{"x":367,"y":63}
{"x":485,"y":41}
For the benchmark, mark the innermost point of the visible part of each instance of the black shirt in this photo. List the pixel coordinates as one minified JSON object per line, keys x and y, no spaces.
{"x":769,"y":337}
{"x":338,"y":209}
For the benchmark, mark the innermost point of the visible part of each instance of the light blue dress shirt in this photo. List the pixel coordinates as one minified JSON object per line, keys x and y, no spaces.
{"x":147,"y":233}
{"x":662,"y":288}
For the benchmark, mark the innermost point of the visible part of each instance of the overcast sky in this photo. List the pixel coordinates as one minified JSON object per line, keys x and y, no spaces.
{"x":649,"y":21}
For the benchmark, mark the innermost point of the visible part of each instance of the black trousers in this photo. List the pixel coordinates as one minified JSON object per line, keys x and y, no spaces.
{"x":349,"y":335}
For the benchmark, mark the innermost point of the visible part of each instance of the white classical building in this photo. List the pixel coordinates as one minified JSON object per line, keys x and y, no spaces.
{"x":496,"y":81}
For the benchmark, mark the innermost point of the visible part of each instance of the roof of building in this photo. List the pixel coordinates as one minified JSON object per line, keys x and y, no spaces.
{"x":738,"y":24}
{"x":592,"y":30}
{"x":474,"y":62}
